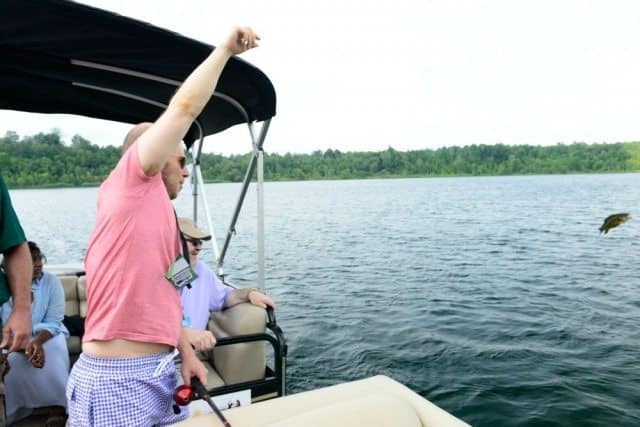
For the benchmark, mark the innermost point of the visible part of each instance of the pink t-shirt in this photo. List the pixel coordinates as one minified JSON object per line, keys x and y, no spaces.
{"x":134,"y":241}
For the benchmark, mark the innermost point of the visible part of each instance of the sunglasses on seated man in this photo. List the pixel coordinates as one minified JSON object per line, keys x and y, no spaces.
{"x":194,"y":242}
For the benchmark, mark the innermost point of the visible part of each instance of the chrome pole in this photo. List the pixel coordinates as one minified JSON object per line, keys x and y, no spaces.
{"x":257,"y":148}
{"x":260,"y":218}
{"x":196,"y":169}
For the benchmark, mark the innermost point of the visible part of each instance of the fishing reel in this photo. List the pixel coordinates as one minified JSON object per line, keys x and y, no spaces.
{"x":186,"y":394}
{"x":183,"y":395}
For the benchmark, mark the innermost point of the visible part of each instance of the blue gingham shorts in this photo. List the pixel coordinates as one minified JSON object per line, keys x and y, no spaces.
{"x":123,"y":392}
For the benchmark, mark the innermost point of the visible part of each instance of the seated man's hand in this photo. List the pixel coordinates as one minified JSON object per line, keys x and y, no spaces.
{"x":4,"y":365}
{"x":200,"y":340}
{"x":35,"y":353}
{"x":260,"y":299}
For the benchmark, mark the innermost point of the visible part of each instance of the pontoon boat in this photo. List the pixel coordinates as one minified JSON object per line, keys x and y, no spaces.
{"x":63,"y":57}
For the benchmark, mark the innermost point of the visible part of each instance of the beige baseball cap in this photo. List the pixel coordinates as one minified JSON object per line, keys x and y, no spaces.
{"x":188,"y":228}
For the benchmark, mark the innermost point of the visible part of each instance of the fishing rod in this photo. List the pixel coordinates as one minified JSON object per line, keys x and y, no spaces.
{"x":185,"y":394}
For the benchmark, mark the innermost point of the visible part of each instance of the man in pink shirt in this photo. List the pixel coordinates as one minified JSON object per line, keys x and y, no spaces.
{"x":125,"y":375}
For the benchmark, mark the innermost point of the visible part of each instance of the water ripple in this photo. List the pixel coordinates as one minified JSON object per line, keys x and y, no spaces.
{"x":496,"y":298}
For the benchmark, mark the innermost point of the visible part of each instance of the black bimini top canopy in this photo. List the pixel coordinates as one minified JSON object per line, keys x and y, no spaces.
{"x":59,"y":56}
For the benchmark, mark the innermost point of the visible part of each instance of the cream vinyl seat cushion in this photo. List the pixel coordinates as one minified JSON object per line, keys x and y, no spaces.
{"x":75,"y":295}
{"x":382,"y":410}
{"x":377,"y":401}
{"x":238,"y":362}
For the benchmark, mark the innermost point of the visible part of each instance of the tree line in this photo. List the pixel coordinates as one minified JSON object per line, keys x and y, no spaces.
{"x":45,"y":160}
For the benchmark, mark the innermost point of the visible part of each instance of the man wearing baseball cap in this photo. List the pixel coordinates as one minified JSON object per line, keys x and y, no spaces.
{"x":207,"y":293}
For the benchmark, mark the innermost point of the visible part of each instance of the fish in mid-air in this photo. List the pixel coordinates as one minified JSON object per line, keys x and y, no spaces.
{"x":613,"y":221}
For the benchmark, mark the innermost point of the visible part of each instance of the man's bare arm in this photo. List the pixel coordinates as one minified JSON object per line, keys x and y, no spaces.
{"x":191,"y":366}
{"x":161,"y":140}
{"x":249,"y":295}
{"x":19,"y":270}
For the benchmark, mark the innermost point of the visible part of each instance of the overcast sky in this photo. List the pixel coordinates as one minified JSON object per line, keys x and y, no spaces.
{"x":365,"y":75}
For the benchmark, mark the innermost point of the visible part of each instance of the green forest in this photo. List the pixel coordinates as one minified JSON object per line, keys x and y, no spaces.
{"x":45,"y":160}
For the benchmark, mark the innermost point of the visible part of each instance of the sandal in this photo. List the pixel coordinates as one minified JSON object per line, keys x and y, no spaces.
{"x":56,"y":421}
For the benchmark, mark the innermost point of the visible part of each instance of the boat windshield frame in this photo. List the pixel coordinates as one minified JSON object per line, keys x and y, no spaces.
{"x":258,"y":134}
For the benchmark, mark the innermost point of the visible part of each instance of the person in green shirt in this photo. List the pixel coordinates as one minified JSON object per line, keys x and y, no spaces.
{"x":15,"y":278}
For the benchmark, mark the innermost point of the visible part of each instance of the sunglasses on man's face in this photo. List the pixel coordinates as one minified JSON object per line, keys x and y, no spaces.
{"x":194,"y":242}
{"x":183,"y":161}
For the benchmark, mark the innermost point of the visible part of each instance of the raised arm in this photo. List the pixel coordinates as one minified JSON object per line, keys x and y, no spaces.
{"x":161,"y":140}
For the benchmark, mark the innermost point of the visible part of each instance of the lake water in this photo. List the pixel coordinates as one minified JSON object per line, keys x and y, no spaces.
{"x":496,"y":298}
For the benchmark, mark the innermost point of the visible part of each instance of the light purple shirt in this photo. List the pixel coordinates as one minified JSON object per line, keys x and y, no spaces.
{"x":207,"y":294}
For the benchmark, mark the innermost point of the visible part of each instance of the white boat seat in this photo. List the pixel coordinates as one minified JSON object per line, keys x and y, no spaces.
{"x":381,"y":410}
{"x":239,"y":362}
{"x":75,"y":295}
{"x":377,"y":401}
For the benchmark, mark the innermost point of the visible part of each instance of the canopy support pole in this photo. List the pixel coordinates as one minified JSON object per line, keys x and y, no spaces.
{"x":260,"y":218}
{"x":258,"y":140}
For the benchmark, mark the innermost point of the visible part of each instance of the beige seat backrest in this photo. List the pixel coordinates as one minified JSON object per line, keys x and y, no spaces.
{"x":75,"y":296}
{"x":82,"y":295}
{"x":70,"y":286}
{"x":375,"y":401}
{"x":239,"y":362}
